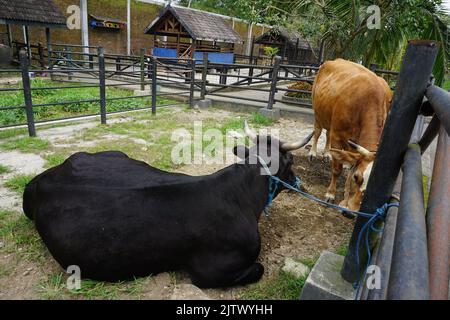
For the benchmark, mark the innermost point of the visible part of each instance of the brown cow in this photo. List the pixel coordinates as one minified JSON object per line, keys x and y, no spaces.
{"x":351,"y":103}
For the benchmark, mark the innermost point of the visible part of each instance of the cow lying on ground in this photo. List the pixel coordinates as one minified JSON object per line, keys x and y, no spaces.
{"x":118,"y":218}
{"x":351,"y":103}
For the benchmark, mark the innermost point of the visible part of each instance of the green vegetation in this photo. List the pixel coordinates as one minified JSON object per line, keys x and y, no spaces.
{"x":54,"y":159}
{"x":446,"y":84}
{"x":300,"y":85}
{"x":26,"y":144}
{"x":4,"y":169}
{"x":44,"y":96}
{"x":18,"y":234}
{"x":18,"y":183}
{"x":55,"y":288}
{"x":341,"y":26}
{"x":282,"y":287}
{"x":342,"y":250}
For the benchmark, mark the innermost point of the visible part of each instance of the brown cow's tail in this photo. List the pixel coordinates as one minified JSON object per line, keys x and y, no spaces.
{"x":30,"y":200}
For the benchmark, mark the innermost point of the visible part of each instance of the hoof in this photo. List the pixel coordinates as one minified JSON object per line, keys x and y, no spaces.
{"x":329,"y":198}
{"x":327,"y":157}
{"x":311,"y":157}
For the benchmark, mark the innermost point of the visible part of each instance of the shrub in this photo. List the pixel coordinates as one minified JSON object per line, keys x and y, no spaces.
{"x":300,"y":85}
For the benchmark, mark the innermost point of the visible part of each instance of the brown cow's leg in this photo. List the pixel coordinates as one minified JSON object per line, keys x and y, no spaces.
{"x":317,"y":132}
{"x":336,"y":168}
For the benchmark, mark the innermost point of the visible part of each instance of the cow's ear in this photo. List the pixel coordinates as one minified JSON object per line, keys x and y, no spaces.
{"x":345,"y":157}
{"x":241,"y":152}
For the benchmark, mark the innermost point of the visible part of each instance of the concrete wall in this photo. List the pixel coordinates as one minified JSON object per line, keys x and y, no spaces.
{"x":116,"y":41}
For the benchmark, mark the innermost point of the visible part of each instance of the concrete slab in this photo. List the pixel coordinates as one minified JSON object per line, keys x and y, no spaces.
{"x":325,"y":281}
{"x":203,"y":104}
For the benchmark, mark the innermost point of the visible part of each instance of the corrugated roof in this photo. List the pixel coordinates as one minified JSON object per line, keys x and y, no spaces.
{"x":200,"y":25}
{"x":29,"y":12}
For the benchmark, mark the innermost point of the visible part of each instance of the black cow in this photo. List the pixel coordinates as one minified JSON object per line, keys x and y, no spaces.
{"x":118,"y":218}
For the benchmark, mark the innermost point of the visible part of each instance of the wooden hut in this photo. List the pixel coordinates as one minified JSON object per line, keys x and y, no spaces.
{"x":30,"y":13}
{"x":291,"y":46}
{"x":189,"y":33}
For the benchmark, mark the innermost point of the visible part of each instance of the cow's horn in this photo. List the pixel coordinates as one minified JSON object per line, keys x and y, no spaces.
{"x":296,"y":145}
{"x":249,"y":132}
{"x":360,"y":149}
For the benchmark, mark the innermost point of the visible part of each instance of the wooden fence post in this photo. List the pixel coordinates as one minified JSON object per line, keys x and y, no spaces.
{"x":204,"y":75}
{"x":23,"y":56}
{"x":192,"y":84}
{"x":154,"y":84}
{"x":273,"y":87}
{"x":102,"y":84}
{"x":68,"y":60}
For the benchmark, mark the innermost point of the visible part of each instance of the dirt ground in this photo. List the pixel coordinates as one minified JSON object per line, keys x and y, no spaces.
{"x":297,"y":227}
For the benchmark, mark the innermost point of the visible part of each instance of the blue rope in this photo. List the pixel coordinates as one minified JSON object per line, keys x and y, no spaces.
{"x":380,"y":214}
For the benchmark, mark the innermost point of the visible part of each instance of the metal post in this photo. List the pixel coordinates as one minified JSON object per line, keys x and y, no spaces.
{"x":41,"y":55}
{"x":154,"y":84}
{"x":26,"y":32}
{"x":384,"y":256}
{"x":68,"y":60}
{"x":118,"y":64}
{"x":408,"y":279}
{"x":273,"y":87}
{"x":91,"y":61}
{"x":142,"y":59}
{"x":412,"y":83}
{"x":438,"y":220}
{"x":27,"y":92}
{"x":223,"y":76}
{"x":430,"y":133}
{"x":251,"y":70}
{"x":204,"y":75}
{"x":102,"y":84}
{"x":440,"y":101}
{"x":192,"y":84}
{"x":49,"y":48}
{"x":373,"y":67}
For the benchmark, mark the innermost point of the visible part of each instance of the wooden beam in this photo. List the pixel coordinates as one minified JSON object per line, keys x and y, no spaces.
{"x":9,"y":34}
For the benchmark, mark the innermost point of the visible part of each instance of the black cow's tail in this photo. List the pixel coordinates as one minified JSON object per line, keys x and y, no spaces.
{"x":30,"y":200}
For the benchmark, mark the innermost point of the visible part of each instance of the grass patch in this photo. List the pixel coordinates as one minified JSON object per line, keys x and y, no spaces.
{"x":310,"y":263}
{"x":343,"y":249}
{"x":26,"y":144}
{"x":55,"y":288}
{"x":54,"y":159}
{"x":282,"y":287}
{"x":19,"y":236}
{"x":9,"y":133}
{"x":260,"y":120}
{"x":18,"y":183}
{"x":4,"y":169}
{"x":70,"y":96}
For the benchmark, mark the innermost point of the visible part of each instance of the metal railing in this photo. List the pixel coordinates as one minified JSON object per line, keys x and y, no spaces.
{"x":413,"y":251}
{"x":96,"y":75}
